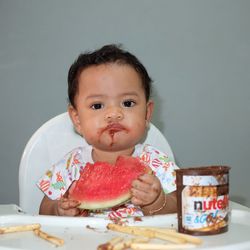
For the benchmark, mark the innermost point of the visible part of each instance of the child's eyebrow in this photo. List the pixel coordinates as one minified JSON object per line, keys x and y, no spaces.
{"x":103,"y":96}
{"x":129,"y":94}
{"x":95,"y":96}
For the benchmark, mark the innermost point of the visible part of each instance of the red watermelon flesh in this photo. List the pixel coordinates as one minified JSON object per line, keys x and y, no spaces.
{"x":103,"y":185}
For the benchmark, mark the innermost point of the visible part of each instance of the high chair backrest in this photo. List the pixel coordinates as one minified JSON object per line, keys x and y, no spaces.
{"x":49,"y":144}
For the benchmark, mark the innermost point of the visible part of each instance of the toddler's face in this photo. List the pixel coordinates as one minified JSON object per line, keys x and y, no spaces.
{"x":111,"y":110}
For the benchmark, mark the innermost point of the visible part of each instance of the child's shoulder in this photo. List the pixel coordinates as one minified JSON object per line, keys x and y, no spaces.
{"x":76,"y":150}
{"x":81,"y":153}
{"x":73,"y":152}
{"x":147,"y":148}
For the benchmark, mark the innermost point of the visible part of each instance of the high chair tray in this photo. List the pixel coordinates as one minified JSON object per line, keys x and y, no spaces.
{"x":88,"y":233}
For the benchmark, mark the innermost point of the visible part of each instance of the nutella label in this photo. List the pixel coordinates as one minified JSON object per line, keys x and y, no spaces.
{"x":203,"y":212}
{"x":203,"y":200}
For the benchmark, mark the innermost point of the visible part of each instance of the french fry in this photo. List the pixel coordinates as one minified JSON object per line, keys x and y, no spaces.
{"x":143,"y":246}
{"x":150,"y":233}
{"x":131,"y":230}
{"x":171,"y":238}
{"x":163,"y":234}
{"x":119,"y":243}
{"x":122,"y":245}
{"x":20,"y":228}
{"x":127,"y":243}
{"x":52,"y":239}
{"x":159,"y":229}
{"x":140,"y":240}
{"x":110,"y":244}
{"x":115,"y":240}
{"x":186,"y":237}
{"x":189,"y":238}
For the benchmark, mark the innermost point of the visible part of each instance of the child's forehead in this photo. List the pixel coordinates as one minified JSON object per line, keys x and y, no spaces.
{"x":99,"y":68}
{"x":109,"y":72}
{"x":108,"y":80}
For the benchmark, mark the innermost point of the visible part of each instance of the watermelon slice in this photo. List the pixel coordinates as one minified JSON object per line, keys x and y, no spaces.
{"x":103,"y":185}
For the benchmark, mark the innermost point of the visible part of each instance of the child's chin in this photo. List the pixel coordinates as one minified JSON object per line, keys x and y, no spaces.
{"x":115,"y":146}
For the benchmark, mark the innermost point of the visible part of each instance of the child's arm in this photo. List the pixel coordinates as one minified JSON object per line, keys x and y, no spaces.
{"x":147,"y":193}
{"x":62,"y":207}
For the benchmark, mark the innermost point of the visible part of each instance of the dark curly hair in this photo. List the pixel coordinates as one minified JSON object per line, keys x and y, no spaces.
{"x":107,"y":54}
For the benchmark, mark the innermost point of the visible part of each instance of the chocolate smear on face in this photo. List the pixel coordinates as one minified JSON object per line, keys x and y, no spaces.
{"x":111,"y":129}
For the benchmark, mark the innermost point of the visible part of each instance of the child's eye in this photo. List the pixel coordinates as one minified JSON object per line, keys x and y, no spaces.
{"x":97,"y":106}
{"x":128,"y":103}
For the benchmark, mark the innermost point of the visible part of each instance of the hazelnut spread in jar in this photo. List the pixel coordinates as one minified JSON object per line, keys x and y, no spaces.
{"x":203,"y":200}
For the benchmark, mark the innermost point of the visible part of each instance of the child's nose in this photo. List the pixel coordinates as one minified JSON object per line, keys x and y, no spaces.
{"x":114,"y":114}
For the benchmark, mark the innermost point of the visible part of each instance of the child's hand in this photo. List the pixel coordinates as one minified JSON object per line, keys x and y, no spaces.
{"x":145,"y":190}
{"x":67,"y":207}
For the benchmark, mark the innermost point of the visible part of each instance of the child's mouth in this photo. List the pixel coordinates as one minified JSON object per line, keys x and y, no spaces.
{"x":114,"y":128}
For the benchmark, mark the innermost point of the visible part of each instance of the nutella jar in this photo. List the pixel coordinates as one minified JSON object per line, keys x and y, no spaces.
{"x":203,"y":200}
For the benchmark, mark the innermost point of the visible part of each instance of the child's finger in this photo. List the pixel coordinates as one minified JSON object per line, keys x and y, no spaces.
{"x":69,"y":212}
{"x":136,"y":184}
{"x":72,"y":212}
{"x":141,"y":198}
{"x":147,"y":178}
{"x":153,"y":181}
{"x":68,"y":204}
{"x":136,"y":201}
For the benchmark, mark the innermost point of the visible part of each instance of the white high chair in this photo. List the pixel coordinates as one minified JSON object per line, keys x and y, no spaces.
{"x":49,"y":144}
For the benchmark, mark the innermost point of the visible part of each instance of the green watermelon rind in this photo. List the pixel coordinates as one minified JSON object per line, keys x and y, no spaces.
{"x":96,"y":205}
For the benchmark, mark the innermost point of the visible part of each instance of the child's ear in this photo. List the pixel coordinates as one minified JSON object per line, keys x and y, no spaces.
{"x":149,"y":112}
{"x":73,"y":113}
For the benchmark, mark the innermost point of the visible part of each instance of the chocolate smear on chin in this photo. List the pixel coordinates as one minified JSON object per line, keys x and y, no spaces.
{"x":111,"y":131}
